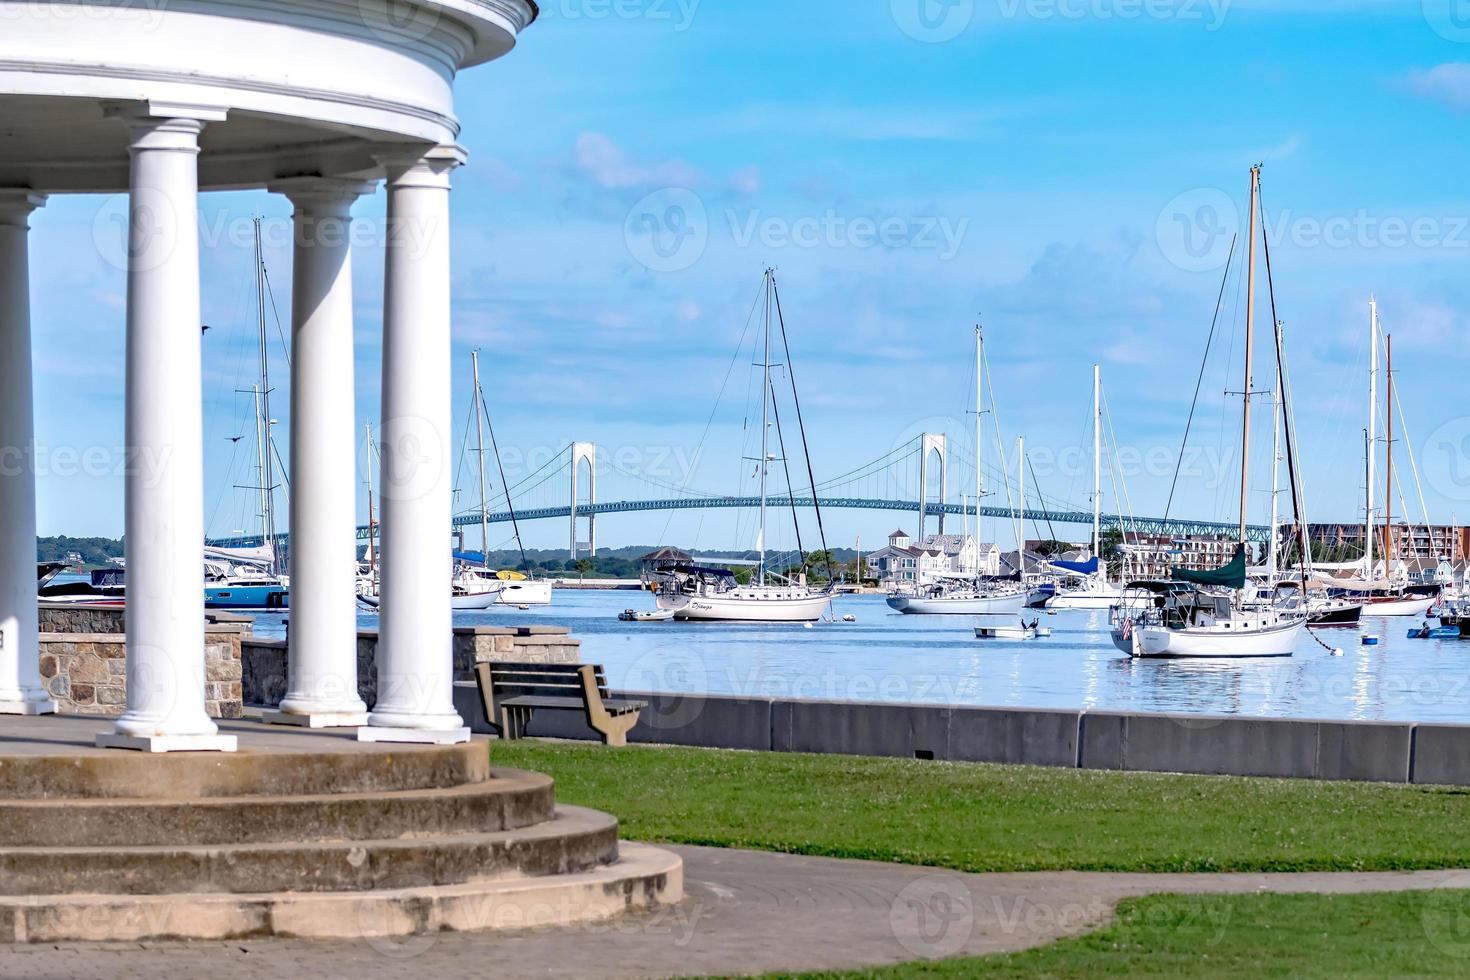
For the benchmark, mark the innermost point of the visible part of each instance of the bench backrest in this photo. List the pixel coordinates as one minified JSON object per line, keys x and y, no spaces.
{"x":542,"y":680}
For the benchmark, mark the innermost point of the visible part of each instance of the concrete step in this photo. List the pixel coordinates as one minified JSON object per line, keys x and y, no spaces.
{"x":642,"y":878}
{"x":508,"y":801}
{"x":316,"y":762}
{"x":575,"y":840}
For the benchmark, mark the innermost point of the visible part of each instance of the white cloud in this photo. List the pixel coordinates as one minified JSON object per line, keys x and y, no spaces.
{"x":746,"y":181}
{"x":609,"y":166}
{"x":1448,"y":83}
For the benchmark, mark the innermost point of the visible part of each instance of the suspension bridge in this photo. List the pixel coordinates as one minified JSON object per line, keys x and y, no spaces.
{"x":913,"y":478}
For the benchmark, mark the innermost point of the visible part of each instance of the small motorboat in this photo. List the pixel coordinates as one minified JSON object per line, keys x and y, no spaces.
{"x":1023,"y":631}
{"x":1435,"y":633}
{"x":646,"y":615}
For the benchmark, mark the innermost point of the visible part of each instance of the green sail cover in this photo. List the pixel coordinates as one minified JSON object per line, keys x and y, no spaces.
{"x":1232,"y":576}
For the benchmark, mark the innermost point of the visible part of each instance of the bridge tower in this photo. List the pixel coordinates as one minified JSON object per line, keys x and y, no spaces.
{"x":584,"y":451}
{"x":930,"y":444}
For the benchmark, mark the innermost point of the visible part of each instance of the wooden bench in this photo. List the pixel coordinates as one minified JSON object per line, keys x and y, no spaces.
{"x":512,"y":693}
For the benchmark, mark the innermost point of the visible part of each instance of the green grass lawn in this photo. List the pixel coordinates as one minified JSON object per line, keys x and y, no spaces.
{"x":1005,"y":818}
{"x":1401,"y":935}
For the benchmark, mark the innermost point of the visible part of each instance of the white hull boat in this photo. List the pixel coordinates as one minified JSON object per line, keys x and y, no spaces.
{"x":1408,"y":606}
{"x":1236,"y":638}
{"x":646,"y":615}
{"x":750,"y":604}
{"x":1009,"y":604}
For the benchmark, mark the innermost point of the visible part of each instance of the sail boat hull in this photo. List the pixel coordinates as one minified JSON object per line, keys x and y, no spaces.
{"x":1413,"y":606}
{"x":1209,"y":643}
{"x":1000,"y":605}
{"x":749,"y":605}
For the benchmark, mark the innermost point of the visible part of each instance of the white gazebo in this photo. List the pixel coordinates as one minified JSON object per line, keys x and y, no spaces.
{"x":318,"y":100}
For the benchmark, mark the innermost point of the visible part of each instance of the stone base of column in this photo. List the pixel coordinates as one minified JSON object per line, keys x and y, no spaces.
{"x":421,"y":736}
{"x":316,"y":719}
{"x":27,"y":707}
{"x":166,"y":743}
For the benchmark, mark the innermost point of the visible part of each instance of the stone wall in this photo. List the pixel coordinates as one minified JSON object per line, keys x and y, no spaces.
{"x":86,"y":673}
{"x":264,"y":662}
{"x":63,"y":617}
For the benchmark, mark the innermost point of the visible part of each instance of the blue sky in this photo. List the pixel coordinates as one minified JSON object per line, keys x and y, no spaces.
{"x":1036,"y":162}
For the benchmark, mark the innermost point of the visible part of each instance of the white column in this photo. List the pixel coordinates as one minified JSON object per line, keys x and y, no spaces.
{"x":415,"y":640}
{"x":21,"y":691}
{"x":321,"y":684}
{"x":164,"y":482}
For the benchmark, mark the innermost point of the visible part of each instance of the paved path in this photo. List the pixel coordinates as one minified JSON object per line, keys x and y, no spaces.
{"x":746,"y":912}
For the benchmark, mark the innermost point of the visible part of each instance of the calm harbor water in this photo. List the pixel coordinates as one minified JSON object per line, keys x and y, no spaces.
{"x":888,"y":657}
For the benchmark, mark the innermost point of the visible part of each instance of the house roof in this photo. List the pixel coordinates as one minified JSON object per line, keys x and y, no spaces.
{"x":900,"y":533}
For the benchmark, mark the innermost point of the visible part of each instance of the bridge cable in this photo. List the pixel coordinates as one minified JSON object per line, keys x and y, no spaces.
{"x":805,"y":449}
{"x":1214,"y":323}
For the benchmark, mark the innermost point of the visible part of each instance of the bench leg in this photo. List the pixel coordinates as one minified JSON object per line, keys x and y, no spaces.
{"x":614,"y":728}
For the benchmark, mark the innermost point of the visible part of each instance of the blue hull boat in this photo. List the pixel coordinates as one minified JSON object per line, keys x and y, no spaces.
{"x":266,"y":596}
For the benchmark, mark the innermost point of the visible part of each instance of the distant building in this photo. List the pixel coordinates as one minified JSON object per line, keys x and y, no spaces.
{"x":1153,"y":556}
{"x":904,"y":563}
{"x":1409,"y":540}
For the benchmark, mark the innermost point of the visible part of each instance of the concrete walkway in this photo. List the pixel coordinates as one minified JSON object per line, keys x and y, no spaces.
{"x":746,"y":912}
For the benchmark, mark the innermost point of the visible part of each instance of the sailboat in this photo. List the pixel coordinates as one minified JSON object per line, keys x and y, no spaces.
{"x":475,"y":585}
{"x":1211,"y":614}
{"x":1381,"y":595}
{"x":974,"y":596}
{"x":711,"y":592}
{"x":1094,"y":590}
{"x":252,"y":578}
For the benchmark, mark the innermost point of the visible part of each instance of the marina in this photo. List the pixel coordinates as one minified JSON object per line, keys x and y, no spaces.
{"x":887,"y":657}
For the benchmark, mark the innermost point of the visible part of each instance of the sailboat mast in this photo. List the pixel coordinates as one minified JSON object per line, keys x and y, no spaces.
{"x":1368,"y":528}
{"x":260,"y":450}
{"x":263,"y":406}
{"x":979,"y":438}
{"x":1250,"y":328}
{"x":765,"y":431}
{"x":1097,"y":461}
{"x":1388,"y":549}
{"x":372,"y":554}
{"x":480,"y":452}
{"x":1021,"y":513}
{"x":1272,"y":559}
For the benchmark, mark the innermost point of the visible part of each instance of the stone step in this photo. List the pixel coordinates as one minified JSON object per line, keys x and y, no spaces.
{"x":310,"y":764}
{"x":508,"y":801}
{"x":643,"y":878}
{"x":575,"y":840}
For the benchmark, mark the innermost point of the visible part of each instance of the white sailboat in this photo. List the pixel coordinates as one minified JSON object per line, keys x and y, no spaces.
{"x":1210,"y":614}
{"x":1094,"y":591}
{"x":477,"y":586}
{"x":712,"y":594}
{"x":973,"y":596}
